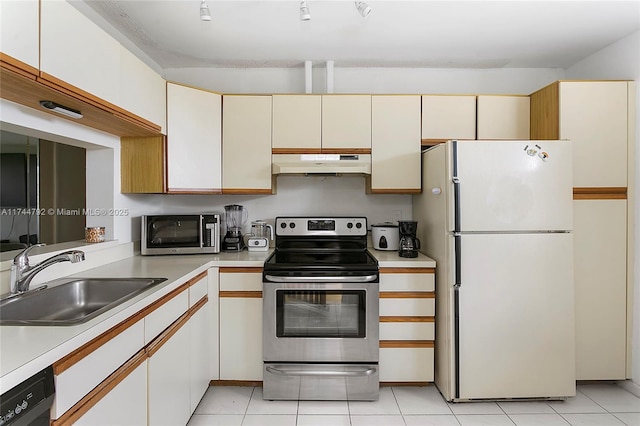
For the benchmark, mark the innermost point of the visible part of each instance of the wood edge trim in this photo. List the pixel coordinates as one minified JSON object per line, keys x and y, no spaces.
{"x":600,"y":193}
{"x":407,"y":295}
{"x":430,"y":142}
{"x":199,"y":304}
{"x":207,"y":191}
{"x":407,"y":319}
{"x":235,"y":383}
{"x":244,"y":270}
{"x":384,"y":384}
{"x":158,"y":303}
{"x":406,"y":344}
{"x":246,"y":191}
{"x":250,"y":294}
{"x":345,"y":150}
{"x":197,"y":278}
{"x":9,"y":63}
{"x":396,"y":191}
{"x":407,"y":270}
{"x":96,"y":394}
{"x":278,"y":151}
{"x":157,"y":343}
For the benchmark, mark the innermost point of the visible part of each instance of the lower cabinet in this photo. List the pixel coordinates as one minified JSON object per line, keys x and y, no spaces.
{"x":241,"y":324}
{"x":407,"y":324}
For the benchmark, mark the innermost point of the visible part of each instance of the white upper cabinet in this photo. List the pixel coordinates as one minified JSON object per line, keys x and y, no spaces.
{"x":297,"y":122}
{"x":19,"y":32}
{"x":594,"y":115}
{"x":447,"y":117}
{"x":395,"y":143}
{"x":193,"y":139}
{"x":503,"y":117}
{"x":346,"y":121}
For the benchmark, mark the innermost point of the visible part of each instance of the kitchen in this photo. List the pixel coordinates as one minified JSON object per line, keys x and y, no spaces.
{"x":348,"y":193}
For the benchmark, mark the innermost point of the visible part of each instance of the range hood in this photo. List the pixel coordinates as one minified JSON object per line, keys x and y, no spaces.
{"x":321,"y":164}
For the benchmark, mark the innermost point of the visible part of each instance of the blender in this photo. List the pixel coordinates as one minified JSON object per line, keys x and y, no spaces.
{"x":409,"y":243}
{"x":235,"y":217}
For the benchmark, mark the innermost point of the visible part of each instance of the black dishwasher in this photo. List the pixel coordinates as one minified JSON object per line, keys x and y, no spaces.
{"x":29,"y":403}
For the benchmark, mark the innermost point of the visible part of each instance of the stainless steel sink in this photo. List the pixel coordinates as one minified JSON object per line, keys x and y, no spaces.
{"x":72,"y":302}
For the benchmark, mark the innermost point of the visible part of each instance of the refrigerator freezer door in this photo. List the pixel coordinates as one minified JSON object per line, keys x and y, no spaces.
{"x":516,"y":316}
{"x":514,"y":186}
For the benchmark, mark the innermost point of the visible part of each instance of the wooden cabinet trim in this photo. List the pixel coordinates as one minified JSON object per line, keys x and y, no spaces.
{"x":406,"y":344}
{"x":600,"y":193}
{"x":407,"y":295}
{"x":100,"y":391}
{"x":207,"y":191}
{"x":245,"y":191}
{"x":18,"y":66}
{"x":407,"y":270}
{"x":407,"y":319}
{"x":157,"y":343}
{"x":242,"y":270}
{"x":200,"y":276}
{"x":250,"y":294}
{"x":396,"y":191}
{"x":199,"y":304}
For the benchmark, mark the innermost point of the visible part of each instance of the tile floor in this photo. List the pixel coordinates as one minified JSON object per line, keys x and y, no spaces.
{"x":594,"y":404}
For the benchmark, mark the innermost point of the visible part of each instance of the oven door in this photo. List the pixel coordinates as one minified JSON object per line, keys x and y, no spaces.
{"x":320,"y":322}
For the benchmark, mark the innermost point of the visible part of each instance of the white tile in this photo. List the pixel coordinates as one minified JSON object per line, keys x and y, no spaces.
{"x":323,"y":407}
{"x":269,"y":420}
{"x":420,"y":400}
{"x":538,"y":419}
{"x":598,"y":419}
{"x":258,"y":405}
{"x":431,"y":420}
{"x":612,"y":398}
{"x":377,"y":421}
{"x":475,"y":408}
{"x":216,"y":420}
{"x":386,"y":404}
{"x":529,"y":407}
{"x":225,"y":400}
{"x":631,"y":419}
{"x":484,"y":420}
{"x":577,"y":404}
{"x":323,"y":420}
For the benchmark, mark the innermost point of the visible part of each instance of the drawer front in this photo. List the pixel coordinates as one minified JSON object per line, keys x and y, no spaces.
{"x":406,"y":364}
{"x":198,"y":290}
{"x":407,"y":282}
{"x":241,"y":281}
{"x":161,"y":318}
{"x":407,"y":307}
{"x":407,"y":331}
{"x":76,"y":381}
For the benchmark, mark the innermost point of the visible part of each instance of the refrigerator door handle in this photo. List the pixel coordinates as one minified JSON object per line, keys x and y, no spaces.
{"x":457,"y":244}
{"x":456,"y":186}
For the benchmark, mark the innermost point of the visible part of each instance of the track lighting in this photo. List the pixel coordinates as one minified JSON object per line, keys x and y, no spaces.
{"x":205,"y":15}
{"x":61,"y":109}
{"x":305,"y":14}
{"x":363,"y":8}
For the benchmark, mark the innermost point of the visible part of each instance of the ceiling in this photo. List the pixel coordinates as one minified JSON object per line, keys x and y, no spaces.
{"x":440,"y":34}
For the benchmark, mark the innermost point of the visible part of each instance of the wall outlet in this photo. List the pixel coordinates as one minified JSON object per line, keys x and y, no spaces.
{"x":397,"y":215}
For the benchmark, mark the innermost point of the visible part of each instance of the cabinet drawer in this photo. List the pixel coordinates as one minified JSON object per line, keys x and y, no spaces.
{"x":158,"y":320}
{"x":407,"y":307}
{"x":198,"y":290}
{"x":406,"y":364}
{"x":241,"y":281}
{"x":75,"y":382}
{"x":407,"y":331}
{"x":407,"y":282}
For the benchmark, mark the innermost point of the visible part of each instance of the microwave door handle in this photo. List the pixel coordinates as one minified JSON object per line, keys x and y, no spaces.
{"x":202,"y":231}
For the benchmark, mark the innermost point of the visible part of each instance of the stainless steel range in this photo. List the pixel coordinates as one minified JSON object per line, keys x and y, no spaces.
{"x":320,"y":304}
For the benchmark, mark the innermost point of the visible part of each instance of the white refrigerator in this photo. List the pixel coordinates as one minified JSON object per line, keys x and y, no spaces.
{"x":497,"y":217}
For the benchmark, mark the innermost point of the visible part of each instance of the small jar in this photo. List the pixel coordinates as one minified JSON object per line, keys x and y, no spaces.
{"x":94,"y":234}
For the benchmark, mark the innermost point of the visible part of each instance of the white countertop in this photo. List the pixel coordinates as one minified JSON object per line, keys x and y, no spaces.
{"x":25,"y":350}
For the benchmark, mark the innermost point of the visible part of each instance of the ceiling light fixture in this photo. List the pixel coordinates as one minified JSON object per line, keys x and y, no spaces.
{"x":363,"y":8}
{"x":61,"y":109}
{"x":205,"y":15}
{"x":305,"y":14}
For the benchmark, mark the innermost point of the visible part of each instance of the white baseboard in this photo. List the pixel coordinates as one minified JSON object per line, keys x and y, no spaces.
{"x":632,"y":387}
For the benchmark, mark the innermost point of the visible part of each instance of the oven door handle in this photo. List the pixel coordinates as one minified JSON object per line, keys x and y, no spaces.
{"x":290,"y":372}
{"x":330,"y":279}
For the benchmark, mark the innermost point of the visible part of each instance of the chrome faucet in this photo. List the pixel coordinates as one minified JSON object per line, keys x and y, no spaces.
{"x":22,"y":273}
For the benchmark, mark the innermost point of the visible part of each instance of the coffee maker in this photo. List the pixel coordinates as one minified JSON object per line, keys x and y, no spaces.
{"x":409,"y":243}
{"x":235,"y":217}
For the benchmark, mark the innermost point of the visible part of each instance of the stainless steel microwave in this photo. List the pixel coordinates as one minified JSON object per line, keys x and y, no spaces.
{"x":180,"y":234}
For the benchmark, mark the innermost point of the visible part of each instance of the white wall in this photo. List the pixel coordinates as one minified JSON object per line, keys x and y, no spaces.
{"x":621,"y":61}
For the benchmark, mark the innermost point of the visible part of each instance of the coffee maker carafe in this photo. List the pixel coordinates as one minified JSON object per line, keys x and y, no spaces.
{"x":409,"y":243}
{"x":235,"y":217}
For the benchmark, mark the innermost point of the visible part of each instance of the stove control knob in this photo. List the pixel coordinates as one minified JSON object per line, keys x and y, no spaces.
{"x":292,"y":225}
{"x":283,"y":225}
{"x":349,"y":225}
{"x":358,"y":225}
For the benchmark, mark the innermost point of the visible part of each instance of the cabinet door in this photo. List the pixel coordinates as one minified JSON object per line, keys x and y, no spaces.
{"x":594,"y":116}
{"x":19,"y":32}
{"x":169,"y":381}
{"x":395,"y":144}
{"x":193,"y":139}
{"x":124,"y":405}
{"x":503,"y":117}
{"x":600,"y":247}
{"x":201,"y":337}
{"x":448,"y":117}
{"x":246,"y":146}
{"x":297,"y":122}
{"x":240,"y":338}
{"x":77,"y":51}
{"x":346,"y":121}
